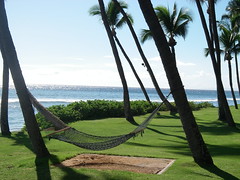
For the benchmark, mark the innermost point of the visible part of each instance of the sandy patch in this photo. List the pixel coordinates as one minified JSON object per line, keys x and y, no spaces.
{"x":125,"y":163}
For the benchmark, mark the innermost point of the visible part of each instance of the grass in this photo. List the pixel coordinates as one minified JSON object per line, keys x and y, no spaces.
{"x":163,"y":139}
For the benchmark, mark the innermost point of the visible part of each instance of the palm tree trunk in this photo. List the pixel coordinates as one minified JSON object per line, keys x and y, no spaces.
{"x":237,"y":72}
{"x":4,"y":104}
{"x":11,"y":57}
{"x":196,"y":143}
{"x":231,"y":84}
{"x":127,"y":107}
{"x":222,"y":100}
{"x":173,"y":53}
{"x":133,"y":70}
{"x":172,"y":109}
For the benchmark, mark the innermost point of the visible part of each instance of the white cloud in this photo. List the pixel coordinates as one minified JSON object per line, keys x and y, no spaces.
{"x":180,"y":63}
{"x":108,"y":56}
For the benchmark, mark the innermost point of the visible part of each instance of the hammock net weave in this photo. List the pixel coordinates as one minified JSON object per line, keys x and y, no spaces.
{"x":84,"y":140}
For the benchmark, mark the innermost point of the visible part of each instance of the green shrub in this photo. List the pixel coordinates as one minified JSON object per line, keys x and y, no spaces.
{"x":98,"y":109}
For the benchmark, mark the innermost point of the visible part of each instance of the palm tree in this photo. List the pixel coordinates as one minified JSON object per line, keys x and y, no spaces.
{"x":233,"y":16}
{"x":174,"y":24}
{"x":4,"y":104}
{"x":116,"y":21}
{"x":112,"y":17}
{"x":196,"y":143}
{"x":172,"y":109}
{"x":224,"y":111}
{"x":10,"y":56}
{"x":228,"y":39}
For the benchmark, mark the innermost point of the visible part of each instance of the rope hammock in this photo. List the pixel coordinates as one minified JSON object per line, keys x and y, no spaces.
{"x":84,"y":140}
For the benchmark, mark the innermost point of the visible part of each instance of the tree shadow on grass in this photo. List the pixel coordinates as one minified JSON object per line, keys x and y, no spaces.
{"x":167,"y":117}
{"x":219,"y":172}
{"x":42,"y":164}
{"x":217,"y":128}
{"x":165,"y":134}
{"x":21,"y":138}
{"x":43,"y":169}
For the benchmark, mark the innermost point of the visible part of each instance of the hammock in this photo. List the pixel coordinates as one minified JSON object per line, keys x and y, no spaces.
{"x":84,"y":140}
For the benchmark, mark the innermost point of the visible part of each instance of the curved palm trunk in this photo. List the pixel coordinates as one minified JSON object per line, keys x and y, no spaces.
{"x":11,"y":57}
{"x":127,"y":107}
{"x":237,"y":72}
{"x":215,"y":40}
{"x":4,"y":104}
{"x":172,"y":109}
{"x":231,"y":84}
{"x":196,"y":143}
{"x":222,"y":100}
{"x":133,"y":69}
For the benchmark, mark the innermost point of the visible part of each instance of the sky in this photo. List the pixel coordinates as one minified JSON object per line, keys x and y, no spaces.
{"x":58,"y":42}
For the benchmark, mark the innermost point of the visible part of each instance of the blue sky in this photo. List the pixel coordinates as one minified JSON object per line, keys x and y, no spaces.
{"x":59,"y":43}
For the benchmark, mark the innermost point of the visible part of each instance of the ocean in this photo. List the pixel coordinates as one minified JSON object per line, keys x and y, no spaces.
{"x":50,"y":95}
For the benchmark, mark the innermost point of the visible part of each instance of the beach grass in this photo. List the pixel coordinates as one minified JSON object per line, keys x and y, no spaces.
{"x":164,"y":138}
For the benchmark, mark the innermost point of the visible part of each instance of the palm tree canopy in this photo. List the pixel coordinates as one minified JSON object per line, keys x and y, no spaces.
{"x":228,"y":40}
{"x":115,"y":19}
{"x":175,"y":23}
{"x":233,"y":7}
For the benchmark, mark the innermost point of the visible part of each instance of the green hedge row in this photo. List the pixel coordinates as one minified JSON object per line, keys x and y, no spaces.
{"x":98,"y":109}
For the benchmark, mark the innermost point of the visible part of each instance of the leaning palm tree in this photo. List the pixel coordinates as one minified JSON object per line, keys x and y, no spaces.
{"x":174,"y":24}
{"x":111,"y":21}
{"x":10,"y":56}
{"x":228,"y":41}
{"x":172,"y":109}
{"x":224,"y":110}
{"x":233,"y":16}
{"x":117,"y":21}
{"x":196,"y":143}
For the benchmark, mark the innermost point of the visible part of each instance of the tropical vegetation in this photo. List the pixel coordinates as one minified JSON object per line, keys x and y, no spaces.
{"x":99,"y":109}
{"x":200,"y":149}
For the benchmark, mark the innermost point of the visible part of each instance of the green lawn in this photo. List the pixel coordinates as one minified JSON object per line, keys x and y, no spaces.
{"x":164,"y":139}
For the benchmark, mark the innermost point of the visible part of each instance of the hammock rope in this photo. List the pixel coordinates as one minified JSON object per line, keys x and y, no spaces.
{"x":84,"y":140}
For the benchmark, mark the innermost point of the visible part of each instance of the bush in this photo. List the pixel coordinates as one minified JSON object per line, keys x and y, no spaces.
{"x":98,"y":109}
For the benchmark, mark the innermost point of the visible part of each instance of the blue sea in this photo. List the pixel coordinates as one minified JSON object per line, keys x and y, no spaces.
{"x":50,"y":95}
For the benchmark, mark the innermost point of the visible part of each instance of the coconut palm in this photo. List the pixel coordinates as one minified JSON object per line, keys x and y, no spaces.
{"x":117,"y":21}
{"x":196,"y":143}
{"x":228,"y":40}
{"x":174,"y":24}
{"x":233,"y":18}
{"x":172,"y":109}
{"x":111,"y":20}
{"x":224,"y":110}
{"x":10,"y":56}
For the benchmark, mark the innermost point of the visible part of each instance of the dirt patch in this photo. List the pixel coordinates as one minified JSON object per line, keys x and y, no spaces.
{"x":125,"y":163}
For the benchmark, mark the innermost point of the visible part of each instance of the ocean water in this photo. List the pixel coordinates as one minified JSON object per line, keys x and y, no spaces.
{"x":55,"y":95}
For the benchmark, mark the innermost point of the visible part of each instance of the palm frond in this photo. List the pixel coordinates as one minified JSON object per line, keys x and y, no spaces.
{"x":145,"y":35}
{"x":94,"y":10}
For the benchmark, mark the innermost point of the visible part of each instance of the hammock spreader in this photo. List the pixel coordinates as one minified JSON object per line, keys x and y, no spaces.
{"x":84,"y":140}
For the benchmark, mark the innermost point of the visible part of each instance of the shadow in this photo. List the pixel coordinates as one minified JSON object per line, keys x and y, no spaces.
{"x":230,"y":150}
{"x":20,"y":138}
{"x":44,"y":173}
{"x":42,"y":168}
{"x":165,"y":134}
{"x":167,"y":117}
{"x":69,"y":172}
{"x":217,"y":128}
{"x":215,"y":170}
